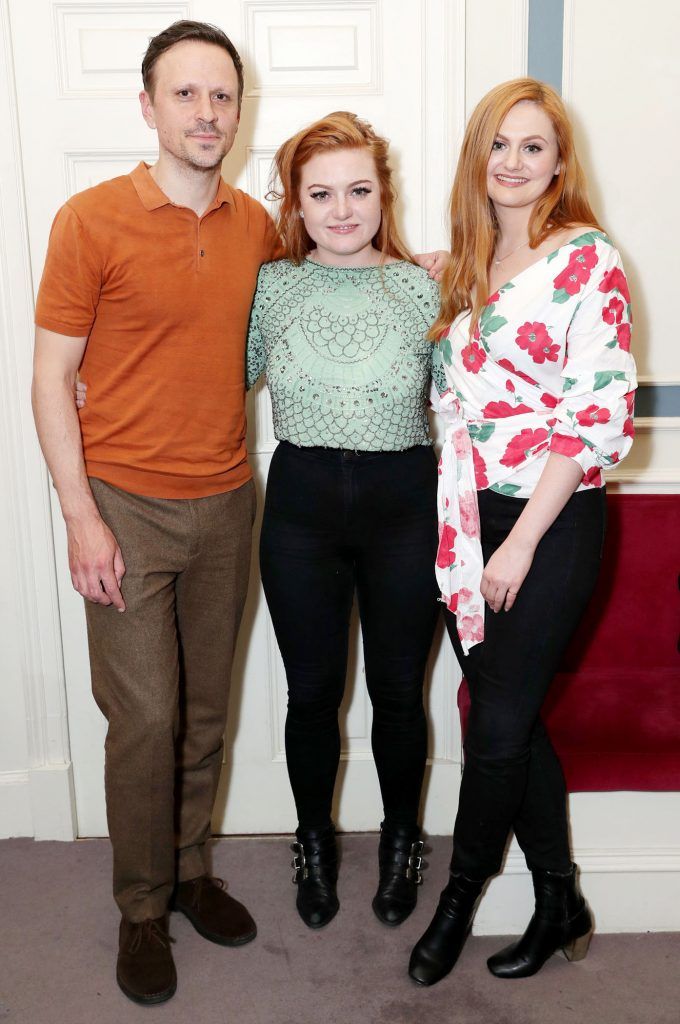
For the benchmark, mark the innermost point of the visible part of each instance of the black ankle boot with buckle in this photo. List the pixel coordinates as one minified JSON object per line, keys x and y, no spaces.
{"x":561,"y":920}
{"x":400,"y":862}
{"x":437,"y":951}
{"x":316,"y":875}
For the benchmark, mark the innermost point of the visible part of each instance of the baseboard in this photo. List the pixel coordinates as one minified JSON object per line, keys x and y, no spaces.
{"x":630,"y":889}
{"x":15,"y":805}
{"x":39,"y":802}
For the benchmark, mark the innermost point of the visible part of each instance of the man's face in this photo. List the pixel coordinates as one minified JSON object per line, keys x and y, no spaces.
{"x":194,"y":104}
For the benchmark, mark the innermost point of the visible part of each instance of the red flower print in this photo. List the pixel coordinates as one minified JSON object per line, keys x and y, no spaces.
{"x":623,"y":336}
{"x":520,"y":446}
{"x":593,"y":477}
{"x":564,"y":444}
{"x":535,"y":339}
{"x":453,"y":602}
{"x":446,"y":556}
{"x":613,"y":313}
{"x":592,"y":415}
{"x":615,"y":280}
{"x":549,"y":400}
{"x":493,"y":298}
{"x":474,"y":357}
{"x":509,"y":386}
{"x":507,"y":365}
{"x":480,"y":470}
{"x":444,"y":334}
{"x":469,"y":514}
{"x":461,"y":442}
{"x":499,"y":410}
{"x":577,"y":271}
{"x":628,"y":427}
{"x":471,"y":627}
{"x":585,"y":257}
{"x":465,"y":595}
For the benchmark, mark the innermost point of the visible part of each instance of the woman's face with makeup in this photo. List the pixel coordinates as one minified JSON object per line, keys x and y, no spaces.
{"x":524,"y":157}
{"x":340,"y":201}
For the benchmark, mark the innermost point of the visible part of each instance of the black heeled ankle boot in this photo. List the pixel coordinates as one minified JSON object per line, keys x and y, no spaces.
{"x":316,"y":875}
{"x":561,"y":920}
{"x":400,"y":860}
{"x":435,"y":954}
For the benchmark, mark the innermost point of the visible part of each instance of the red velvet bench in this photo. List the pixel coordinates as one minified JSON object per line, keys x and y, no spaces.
{"x":613,"y":712}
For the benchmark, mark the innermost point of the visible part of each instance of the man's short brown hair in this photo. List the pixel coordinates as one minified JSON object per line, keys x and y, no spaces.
{"x":180,"y":31}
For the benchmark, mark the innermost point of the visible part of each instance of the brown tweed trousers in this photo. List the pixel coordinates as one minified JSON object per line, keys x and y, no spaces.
{"x":160,"y":675}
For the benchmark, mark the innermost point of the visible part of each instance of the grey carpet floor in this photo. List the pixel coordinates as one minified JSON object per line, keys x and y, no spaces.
{"x":58,"y":939}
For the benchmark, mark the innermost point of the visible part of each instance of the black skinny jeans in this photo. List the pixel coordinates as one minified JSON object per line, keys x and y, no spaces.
{"x":335,"y":522}
{"x":512,"y":777}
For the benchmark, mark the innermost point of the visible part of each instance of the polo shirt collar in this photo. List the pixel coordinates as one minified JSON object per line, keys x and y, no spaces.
{"x":152,"y":196}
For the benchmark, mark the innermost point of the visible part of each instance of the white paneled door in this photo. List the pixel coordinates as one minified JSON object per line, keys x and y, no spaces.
{"x":399,"y":63}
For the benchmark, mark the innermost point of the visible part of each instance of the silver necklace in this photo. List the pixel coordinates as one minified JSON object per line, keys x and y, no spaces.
{"x":509,"y":254}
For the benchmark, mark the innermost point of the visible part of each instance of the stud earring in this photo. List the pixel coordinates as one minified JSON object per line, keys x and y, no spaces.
{"x":302,"y":214}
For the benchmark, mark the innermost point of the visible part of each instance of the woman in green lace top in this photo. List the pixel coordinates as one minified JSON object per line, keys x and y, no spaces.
{"x":339,"y":328}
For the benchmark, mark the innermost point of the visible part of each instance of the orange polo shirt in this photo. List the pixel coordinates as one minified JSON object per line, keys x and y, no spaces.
{"x":164,"y":297}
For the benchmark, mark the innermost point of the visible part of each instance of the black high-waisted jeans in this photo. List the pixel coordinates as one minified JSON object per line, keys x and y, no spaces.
{"x":512,"y":776}
{"x":335,"y":522}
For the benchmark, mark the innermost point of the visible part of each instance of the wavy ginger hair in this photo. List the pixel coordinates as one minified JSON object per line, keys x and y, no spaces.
{"x":339,"y":130}
{"x":474,"y":227}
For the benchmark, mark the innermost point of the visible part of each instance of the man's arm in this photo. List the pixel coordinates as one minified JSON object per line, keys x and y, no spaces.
{"x":95,"y":560}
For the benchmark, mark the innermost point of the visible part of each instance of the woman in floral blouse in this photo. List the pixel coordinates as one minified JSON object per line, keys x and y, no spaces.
{"x":534,"y":338}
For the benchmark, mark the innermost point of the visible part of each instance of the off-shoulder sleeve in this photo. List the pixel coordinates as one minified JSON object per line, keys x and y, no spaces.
{"x":594,"y":422}
{"x":256,"y":358}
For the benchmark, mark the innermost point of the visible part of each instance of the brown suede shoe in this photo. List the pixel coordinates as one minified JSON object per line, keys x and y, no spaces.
{"x":145,"y":971}
{"x":214,"y":914}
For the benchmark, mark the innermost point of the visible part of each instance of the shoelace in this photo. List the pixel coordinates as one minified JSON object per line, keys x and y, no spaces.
{"x":149,"y":931}
{"x":201,"y":884}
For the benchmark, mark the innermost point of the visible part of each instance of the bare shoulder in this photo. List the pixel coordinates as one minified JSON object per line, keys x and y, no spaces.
{"x":564,"y":235}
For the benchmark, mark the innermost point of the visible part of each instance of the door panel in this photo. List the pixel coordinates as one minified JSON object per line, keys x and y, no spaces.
{"x":77,"y":83}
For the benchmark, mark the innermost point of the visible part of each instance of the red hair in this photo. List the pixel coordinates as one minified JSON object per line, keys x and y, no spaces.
{"x":339,"y":130}
{"x":473,"y":221}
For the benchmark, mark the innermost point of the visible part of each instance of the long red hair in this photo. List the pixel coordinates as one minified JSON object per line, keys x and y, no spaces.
{"x":339,"y":130}
{"x":465,"y":284}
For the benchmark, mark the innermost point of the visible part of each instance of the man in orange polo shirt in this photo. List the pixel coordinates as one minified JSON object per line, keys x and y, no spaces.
{"x":147,"y":288}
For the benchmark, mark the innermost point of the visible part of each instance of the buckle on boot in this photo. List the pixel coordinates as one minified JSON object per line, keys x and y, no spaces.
{"x":300,"y":865}
{"x":415,"y":862}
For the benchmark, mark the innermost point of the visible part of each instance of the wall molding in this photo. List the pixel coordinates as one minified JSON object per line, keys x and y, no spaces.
{"x":34,"y":587}
{"x":519,"y":42}
{"x":69,"y":20}
{"x":118,"y":161}
{"x":443,"y":87}
{"x":372,"y":9}
{"x":611,"y":860}
{"x":648,"y":903}
{"x":568,"y":50}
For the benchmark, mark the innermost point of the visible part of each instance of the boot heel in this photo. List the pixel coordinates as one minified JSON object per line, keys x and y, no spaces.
{"x":577,"y":949}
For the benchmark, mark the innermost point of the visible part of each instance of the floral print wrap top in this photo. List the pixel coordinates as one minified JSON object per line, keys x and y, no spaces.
{"x":548,"y":369}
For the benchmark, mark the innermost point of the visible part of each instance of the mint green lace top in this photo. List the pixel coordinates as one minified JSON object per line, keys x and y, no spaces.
{"x":345,"y":353}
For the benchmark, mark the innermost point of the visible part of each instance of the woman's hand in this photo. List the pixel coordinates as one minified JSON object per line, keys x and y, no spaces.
{"x":434,"y":262}
{"x":81,"y":394}
{"x":505,"y":572}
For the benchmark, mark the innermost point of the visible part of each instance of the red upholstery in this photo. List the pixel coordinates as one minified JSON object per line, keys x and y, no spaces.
{"x":613,"y":712}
